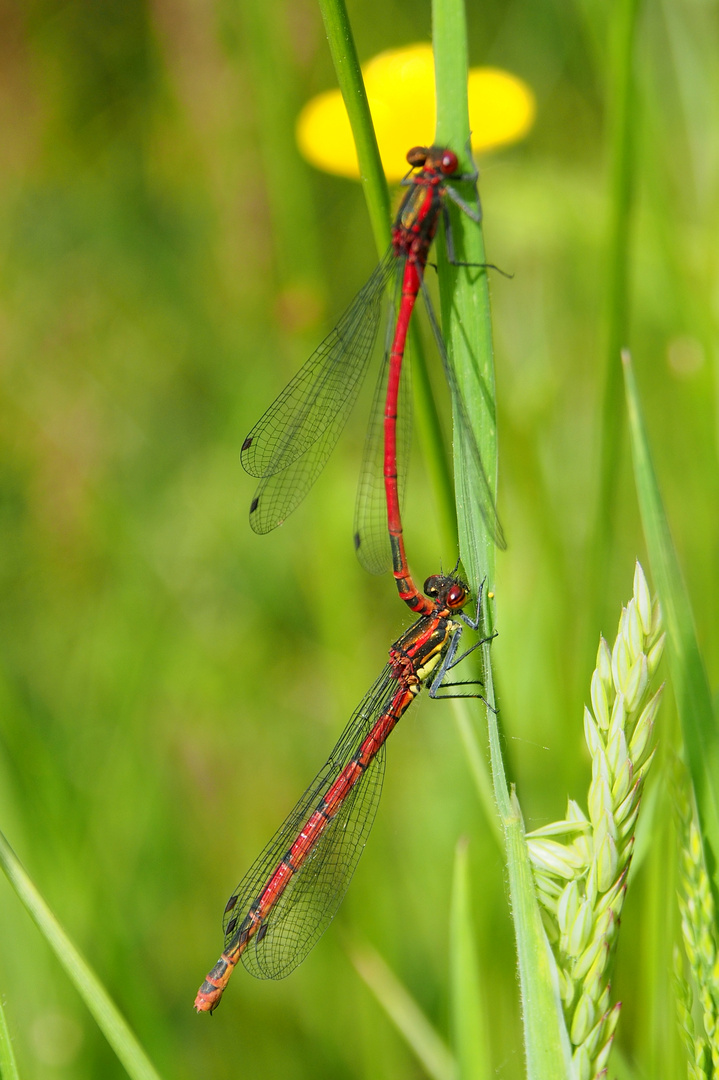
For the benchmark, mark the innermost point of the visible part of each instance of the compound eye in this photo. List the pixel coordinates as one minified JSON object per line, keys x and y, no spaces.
{"x":456,"y":595}
{"x":449,"y":163}
{"x":431,"y":586}
{"x":417,"y":156}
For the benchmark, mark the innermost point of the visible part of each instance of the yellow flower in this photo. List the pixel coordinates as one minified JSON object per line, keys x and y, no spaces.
{"x":400,"y":89}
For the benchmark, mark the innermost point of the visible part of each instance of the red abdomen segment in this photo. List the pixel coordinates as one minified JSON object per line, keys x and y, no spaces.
{"x":253,"y":925}
{"x":412,"y":237}
{"x":406,"y":587}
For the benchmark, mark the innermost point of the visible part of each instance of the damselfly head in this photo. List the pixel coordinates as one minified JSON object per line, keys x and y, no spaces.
{"x":433,"y":157}
{"x":448,"y":591}
{"x":417,"y":156}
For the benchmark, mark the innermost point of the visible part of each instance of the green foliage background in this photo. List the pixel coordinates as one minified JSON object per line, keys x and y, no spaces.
{"x":169,"y":681}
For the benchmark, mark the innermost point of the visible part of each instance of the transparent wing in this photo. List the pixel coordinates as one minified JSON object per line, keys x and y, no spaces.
{"x":484,"y":495}
{"x":313,"y":894}
{"x":371,"y":537}
{"x":289,"y":446}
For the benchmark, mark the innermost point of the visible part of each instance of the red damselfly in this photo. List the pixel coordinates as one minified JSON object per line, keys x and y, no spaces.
{"x":290,"y":444}
{"x":291,"y":893}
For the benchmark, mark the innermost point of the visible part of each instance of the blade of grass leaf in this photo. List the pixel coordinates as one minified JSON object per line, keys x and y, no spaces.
{"x":466,"y":322}
{"x":689,"y":679}
{"x":8,"y":1064}
{"x":464,"y":300}
{"x":467,"y":331}
{"x":107,"y":1016}
{"x":546,"y":1043}
{"x":470,"y":1037}
{"x":404,"y":1012}
{"x":354,"y":95}
{"x":351,"y":84}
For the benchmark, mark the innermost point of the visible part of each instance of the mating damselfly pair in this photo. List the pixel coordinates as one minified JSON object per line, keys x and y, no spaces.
{"x":294,"y":888}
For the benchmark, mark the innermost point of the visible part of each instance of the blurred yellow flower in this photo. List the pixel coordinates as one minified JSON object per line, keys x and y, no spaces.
{"x":400,"y":89}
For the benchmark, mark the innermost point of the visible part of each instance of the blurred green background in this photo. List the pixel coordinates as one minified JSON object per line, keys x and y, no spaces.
{"x":170,"y":682}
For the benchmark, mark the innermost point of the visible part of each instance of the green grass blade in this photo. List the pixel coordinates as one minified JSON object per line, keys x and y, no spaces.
{"x":404,"y":1012}
{"x":466,"y":322}
{"x":351,"y":84}
{"x":467,"y":332}
{"x":106,"y":1014}
{"x":8,"y":1064}
{"x":467,"y":1013}
{"x":546,"y":1042}
{"x":689,"y":679}
{"x":464,"y":300}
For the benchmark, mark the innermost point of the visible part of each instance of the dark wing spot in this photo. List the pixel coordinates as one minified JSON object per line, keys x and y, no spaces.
{"x":247,"y":443}
{"x":253,"y":505}
{"x":230,"y":904}
{"x":231,"y":925}
{"x":261,"y":933}
{"x":358,"y":540}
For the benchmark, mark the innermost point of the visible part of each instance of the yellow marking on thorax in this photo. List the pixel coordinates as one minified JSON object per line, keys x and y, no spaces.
{"x":434,"y":658}
{"x":430,"y":665}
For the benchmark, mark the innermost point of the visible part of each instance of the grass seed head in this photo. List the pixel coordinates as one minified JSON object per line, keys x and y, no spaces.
{"x":590,"y":866}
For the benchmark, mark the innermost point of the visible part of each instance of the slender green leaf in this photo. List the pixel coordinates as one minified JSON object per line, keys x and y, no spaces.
{"x":468,"y":1015}
{"x":8,"y":1064}
{"x":351,"y":84}
{"x":466,"y":322}
{"x":464,"y":302}
{"x":404,"y":1012}
{"x":546,"y":1042}
{"x":467,"y":331}
{"x":107,"y":1016}
{"x":688,"y":675}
